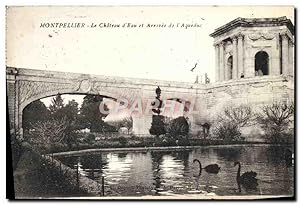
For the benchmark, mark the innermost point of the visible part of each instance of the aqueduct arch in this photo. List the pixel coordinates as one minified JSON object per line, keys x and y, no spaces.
{"x":26,"y":85}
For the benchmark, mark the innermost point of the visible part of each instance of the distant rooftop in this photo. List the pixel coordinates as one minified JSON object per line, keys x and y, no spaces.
{"x":253,"y":22}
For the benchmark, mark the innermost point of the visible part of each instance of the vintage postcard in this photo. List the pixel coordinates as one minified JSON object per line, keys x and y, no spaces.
{"x":150,"y":102}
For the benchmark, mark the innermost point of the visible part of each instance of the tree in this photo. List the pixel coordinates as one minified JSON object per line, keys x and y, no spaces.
{"x":230,"y":122}
{"x":71,"y":111}
{"x":48,"y":133}
{"x":239,"y":116}
{"x":90,"y":115}
{"x":68,"y":114}
{"x":56,"y":106}
{"x":178,"y":127}
{"x":34,"y":112}
{"x":275,"y":119}
{"x":128,"y":123}
{"x":157,"y":125}
{"x":228,"y":131}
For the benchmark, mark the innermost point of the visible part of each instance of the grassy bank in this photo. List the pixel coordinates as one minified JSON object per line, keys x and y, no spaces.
{"x":35,"y":178}
{"x":126,"y":142}
{"x":144,"y":142}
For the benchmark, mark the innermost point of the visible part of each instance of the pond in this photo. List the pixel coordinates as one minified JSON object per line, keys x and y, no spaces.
{"x":173,"y":172}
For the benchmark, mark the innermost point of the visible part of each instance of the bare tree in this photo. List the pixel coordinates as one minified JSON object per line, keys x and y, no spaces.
{"x":228,"y":132}
{"x":276,"y":118}
{"x":239,"y":116}
{"x":49,"y":132}
{"x":128,"y":123}
{"x":231,"y":120}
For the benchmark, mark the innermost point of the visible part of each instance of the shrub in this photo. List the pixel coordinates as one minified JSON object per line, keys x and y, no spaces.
{"x":178,"y":127}
{"x":228,"y":132}
{"x":123,"y":140}
{"x":275,"y":120}
{"x":240,"y":116}
{"x":230,"y":122}
{"x":90,"y":139}
{"x":157,"y":125}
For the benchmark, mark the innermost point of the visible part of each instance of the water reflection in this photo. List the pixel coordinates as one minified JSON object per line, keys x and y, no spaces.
{"x":229,"y":153}
{"x":168,"y":172}
{"x":117,"y":168}
{"x":92,"y":166}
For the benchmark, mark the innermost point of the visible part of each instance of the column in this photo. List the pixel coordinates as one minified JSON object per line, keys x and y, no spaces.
{"x":226,"y":70}
{"x":221,"y":68}
{"x":217,"y":66}
{"x":285,"y":54}
{"x":234,"y":59}
{"x":291,"y":58}
{"x":275,"y":60}
{"x":240,"y":55}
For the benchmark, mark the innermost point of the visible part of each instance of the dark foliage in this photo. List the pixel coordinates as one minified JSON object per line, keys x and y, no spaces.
{"x":90,"y":115}
{"x":157,"y":125}
{"x":33,"y":113}
{"x":178,"y":127}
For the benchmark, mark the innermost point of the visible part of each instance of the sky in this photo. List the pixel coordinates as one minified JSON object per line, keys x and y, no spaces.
{"x":153,"y":53}
{"x":140,"y":52}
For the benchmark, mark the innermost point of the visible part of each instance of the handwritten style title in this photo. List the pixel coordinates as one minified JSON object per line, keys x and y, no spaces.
{"x":119,"y":25}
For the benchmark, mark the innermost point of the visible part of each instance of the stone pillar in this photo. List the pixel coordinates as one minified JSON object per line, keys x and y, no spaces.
{"x":275,"y":59}
{"x":221,"y":68}
{"x":234,"y":59}
{"x":217,"y":66}
{"x":240,"y":55}
{"x":226,"y":70}
{"x":285,"y":54}
{"x":15,"y":114}
{"x":291,"y":58}
{"x":11,"y":97}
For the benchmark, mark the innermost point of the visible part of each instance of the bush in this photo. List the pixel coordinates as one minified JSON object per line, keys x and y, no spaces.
{"x":123,"y":140}
{"x":275,"y":120}
{"x":90,"y":139}
{"x":157,"y":125}
{"x":228,"y":132}
{"x":240,"y":116}
{"x":178,"y":127}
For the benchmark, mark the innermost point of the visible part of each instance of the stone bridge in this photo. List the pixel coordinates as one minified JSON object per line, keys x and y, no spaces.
{"x":27,"y":85}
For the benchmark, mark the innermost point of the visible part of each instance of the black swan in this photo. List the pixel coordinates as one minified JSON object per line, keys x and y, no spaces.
{"x":247,"y":180}
{"x":212,"y":168}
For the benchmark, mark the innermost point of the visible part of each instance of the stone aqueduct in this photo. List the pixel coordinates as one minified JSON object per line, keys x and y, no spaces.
{"x":27,"y":85}
{"x":237,"y":45}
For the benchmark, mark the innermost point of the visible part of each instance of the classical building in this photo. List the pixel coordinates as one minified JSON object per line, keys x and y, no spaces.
{"x":249,"y":47}
{"x":259,"y":50}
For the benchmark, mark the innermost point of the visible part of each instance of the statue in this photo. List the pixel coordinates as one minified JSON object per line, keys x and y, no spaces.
{"x":157,"y":102}
{"x":207,"y":80}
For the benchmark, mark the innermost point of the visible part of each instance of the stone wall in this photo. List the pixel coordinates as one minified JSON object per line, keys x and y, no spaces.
{"x":23,"y":87}
{"x":254,"y":92}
